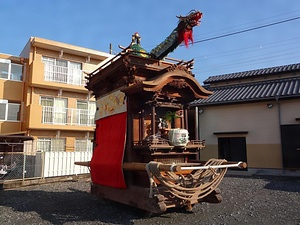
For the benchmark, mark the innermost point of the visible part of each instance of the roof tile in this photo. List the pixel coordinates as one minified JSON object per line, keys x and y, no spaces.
{"x":282,"y":88}
{"x":253,"y":73}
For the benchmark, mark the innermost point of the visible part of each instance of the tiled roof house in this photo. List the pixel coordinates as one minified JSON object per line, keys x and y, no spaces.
{"x":254,"y":85}
{"x":253,"y":116}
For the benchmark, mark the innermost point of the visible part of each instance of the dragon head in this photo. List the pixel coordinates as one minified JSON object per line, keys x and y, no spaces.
{"x":192,"y":19}
{"x":186,"y":24}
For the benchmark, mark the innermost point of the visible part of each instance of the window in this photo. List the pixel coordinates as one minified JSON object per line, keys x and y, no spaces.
{"x":10,"y":71}
{"x":86,"y":112}
{"x":51,"y":144}
{"x":9,"y":111}
{"x":4,"y":68}
{"x":62,"y":71}
{"x":83,"y":145}
{"x":54,"y":110}
{"x":16,"y":72}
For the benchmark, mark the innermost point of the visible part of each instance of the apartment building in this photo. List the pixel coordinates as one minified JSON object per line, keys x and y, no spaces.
{"x":44,"y":95}
{"x":11,"y":76}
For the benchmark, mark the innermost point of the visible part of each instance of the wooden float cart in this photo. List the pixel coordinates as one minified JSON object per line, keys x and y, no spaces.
{"x":146,"y":146}
{"x":134,"y":161}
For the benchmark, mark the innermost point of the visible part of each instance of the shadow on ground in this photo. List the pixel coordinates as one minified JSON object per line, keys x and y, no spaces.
{"x":276,"y":183}
{"x":288,"y":184}
{"x":72,"y":206}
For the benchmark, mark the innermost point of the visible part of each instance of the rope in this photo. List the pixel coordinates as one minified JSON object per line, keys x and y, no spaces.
{"x":196,"y":185}
{"x":151,"y":180}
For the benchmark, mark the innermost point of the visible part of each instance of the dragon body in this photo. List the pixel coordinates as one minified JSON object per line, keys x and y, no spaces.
{"x":182,"y":33}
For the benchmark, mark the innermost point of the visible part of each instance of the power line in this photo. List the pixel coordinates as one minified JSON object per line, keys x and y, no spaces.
{"x":213,"y":68}
{"x":238,"y":25}
{"x":252,"y":59}
{"x":259,"y":49}
{"x":246,"y":30}
{"x":239,"y":63}
{"x":264,"y":57}
{"x":207,"y":72}
{"x":251,"y":48}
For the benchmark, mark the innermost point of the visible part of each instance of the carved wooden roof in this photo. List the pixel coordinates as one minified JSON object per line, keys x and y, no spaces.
{"x":137,"y":75}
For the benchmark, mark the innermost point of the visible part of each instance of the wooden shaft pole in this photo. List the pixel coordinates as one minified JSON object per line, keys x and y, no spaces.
{"x":134,"y":166}
{"x":239,"y":164}
{"x":242,"y":165}
{"x":177,"y":168}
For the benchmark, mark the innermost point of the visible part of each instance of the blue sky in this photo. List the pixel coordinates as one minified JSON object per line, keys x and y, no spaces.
{"x":95,"y":24}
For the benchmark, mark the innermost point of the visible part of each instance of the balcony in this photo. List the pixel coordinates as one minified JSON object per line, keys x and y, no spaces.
{"x":65,"y":75}
{"x":67,"y":116}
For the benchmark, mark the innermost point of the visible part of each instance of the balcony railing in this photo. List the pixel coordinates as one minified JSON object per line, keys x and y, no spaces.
{"x":64,"y":75}
{"x":67,"y":116}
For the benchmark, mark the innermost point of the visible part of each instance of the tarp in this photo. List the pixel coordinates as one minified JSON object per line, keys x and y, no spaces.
{"x":107,"y":159}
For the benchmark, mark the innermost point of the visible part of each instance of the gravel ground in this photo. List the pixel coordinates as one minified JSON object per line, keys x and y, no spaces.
{"x":246,"y":200}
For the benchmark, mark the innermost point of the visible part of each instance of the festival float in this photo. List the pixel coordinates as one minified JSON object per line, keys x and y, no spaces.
{"x":146,"y":150}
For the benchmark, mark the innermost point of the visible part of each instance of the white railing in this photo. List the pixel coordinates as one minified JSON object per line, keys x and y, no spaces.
{"x":64,"y":75}
{"x":67,"y":116}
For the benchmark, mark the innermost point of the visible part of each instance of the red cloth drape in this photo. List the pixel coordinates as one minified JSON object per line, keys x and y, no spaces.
{"x":107,"y":160}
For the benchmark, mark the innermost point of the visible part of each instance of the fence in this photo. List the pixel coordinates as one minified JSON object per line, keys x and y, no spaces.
{"x":20,"y":161}
{"x":62,"y":163}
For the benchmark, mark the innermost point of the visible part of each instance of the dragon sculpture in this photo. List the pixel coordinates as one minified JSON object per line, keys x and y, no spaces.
{"x":182,"y":33}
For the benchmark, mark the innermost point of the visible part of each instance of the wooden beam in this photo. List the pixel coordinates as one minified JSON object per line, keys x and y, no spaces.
{"x":83,"y":163}
{"x":142,"y":167}
{"x":153,"y":119}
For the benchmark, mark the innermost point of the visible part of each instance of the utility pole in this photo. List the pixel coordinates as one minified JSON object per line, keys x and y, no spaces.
{"x":110,"y":48}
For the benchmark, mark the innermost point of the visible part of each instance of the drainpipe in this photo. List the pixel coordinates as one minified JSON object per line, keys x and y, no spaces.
{"x":23,"y":100}
{"x":279,"y":123}
{"x":197,"y":123}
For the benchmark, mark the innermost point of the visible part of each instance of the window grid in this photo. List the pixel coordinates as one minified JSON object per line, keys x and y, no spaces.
{"x":63,"y":71}
{"x":55,"y":111}
{"x":51,"y":144}
{"x":86,"y":112}
{"x":83,"y":145}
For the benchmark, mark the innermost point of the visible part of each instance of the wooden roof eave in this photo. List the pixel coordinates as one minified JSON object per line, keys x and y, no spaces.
{"x":158,"y":82}
{"x":15,"y":138}
{"x":132,"y":89}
